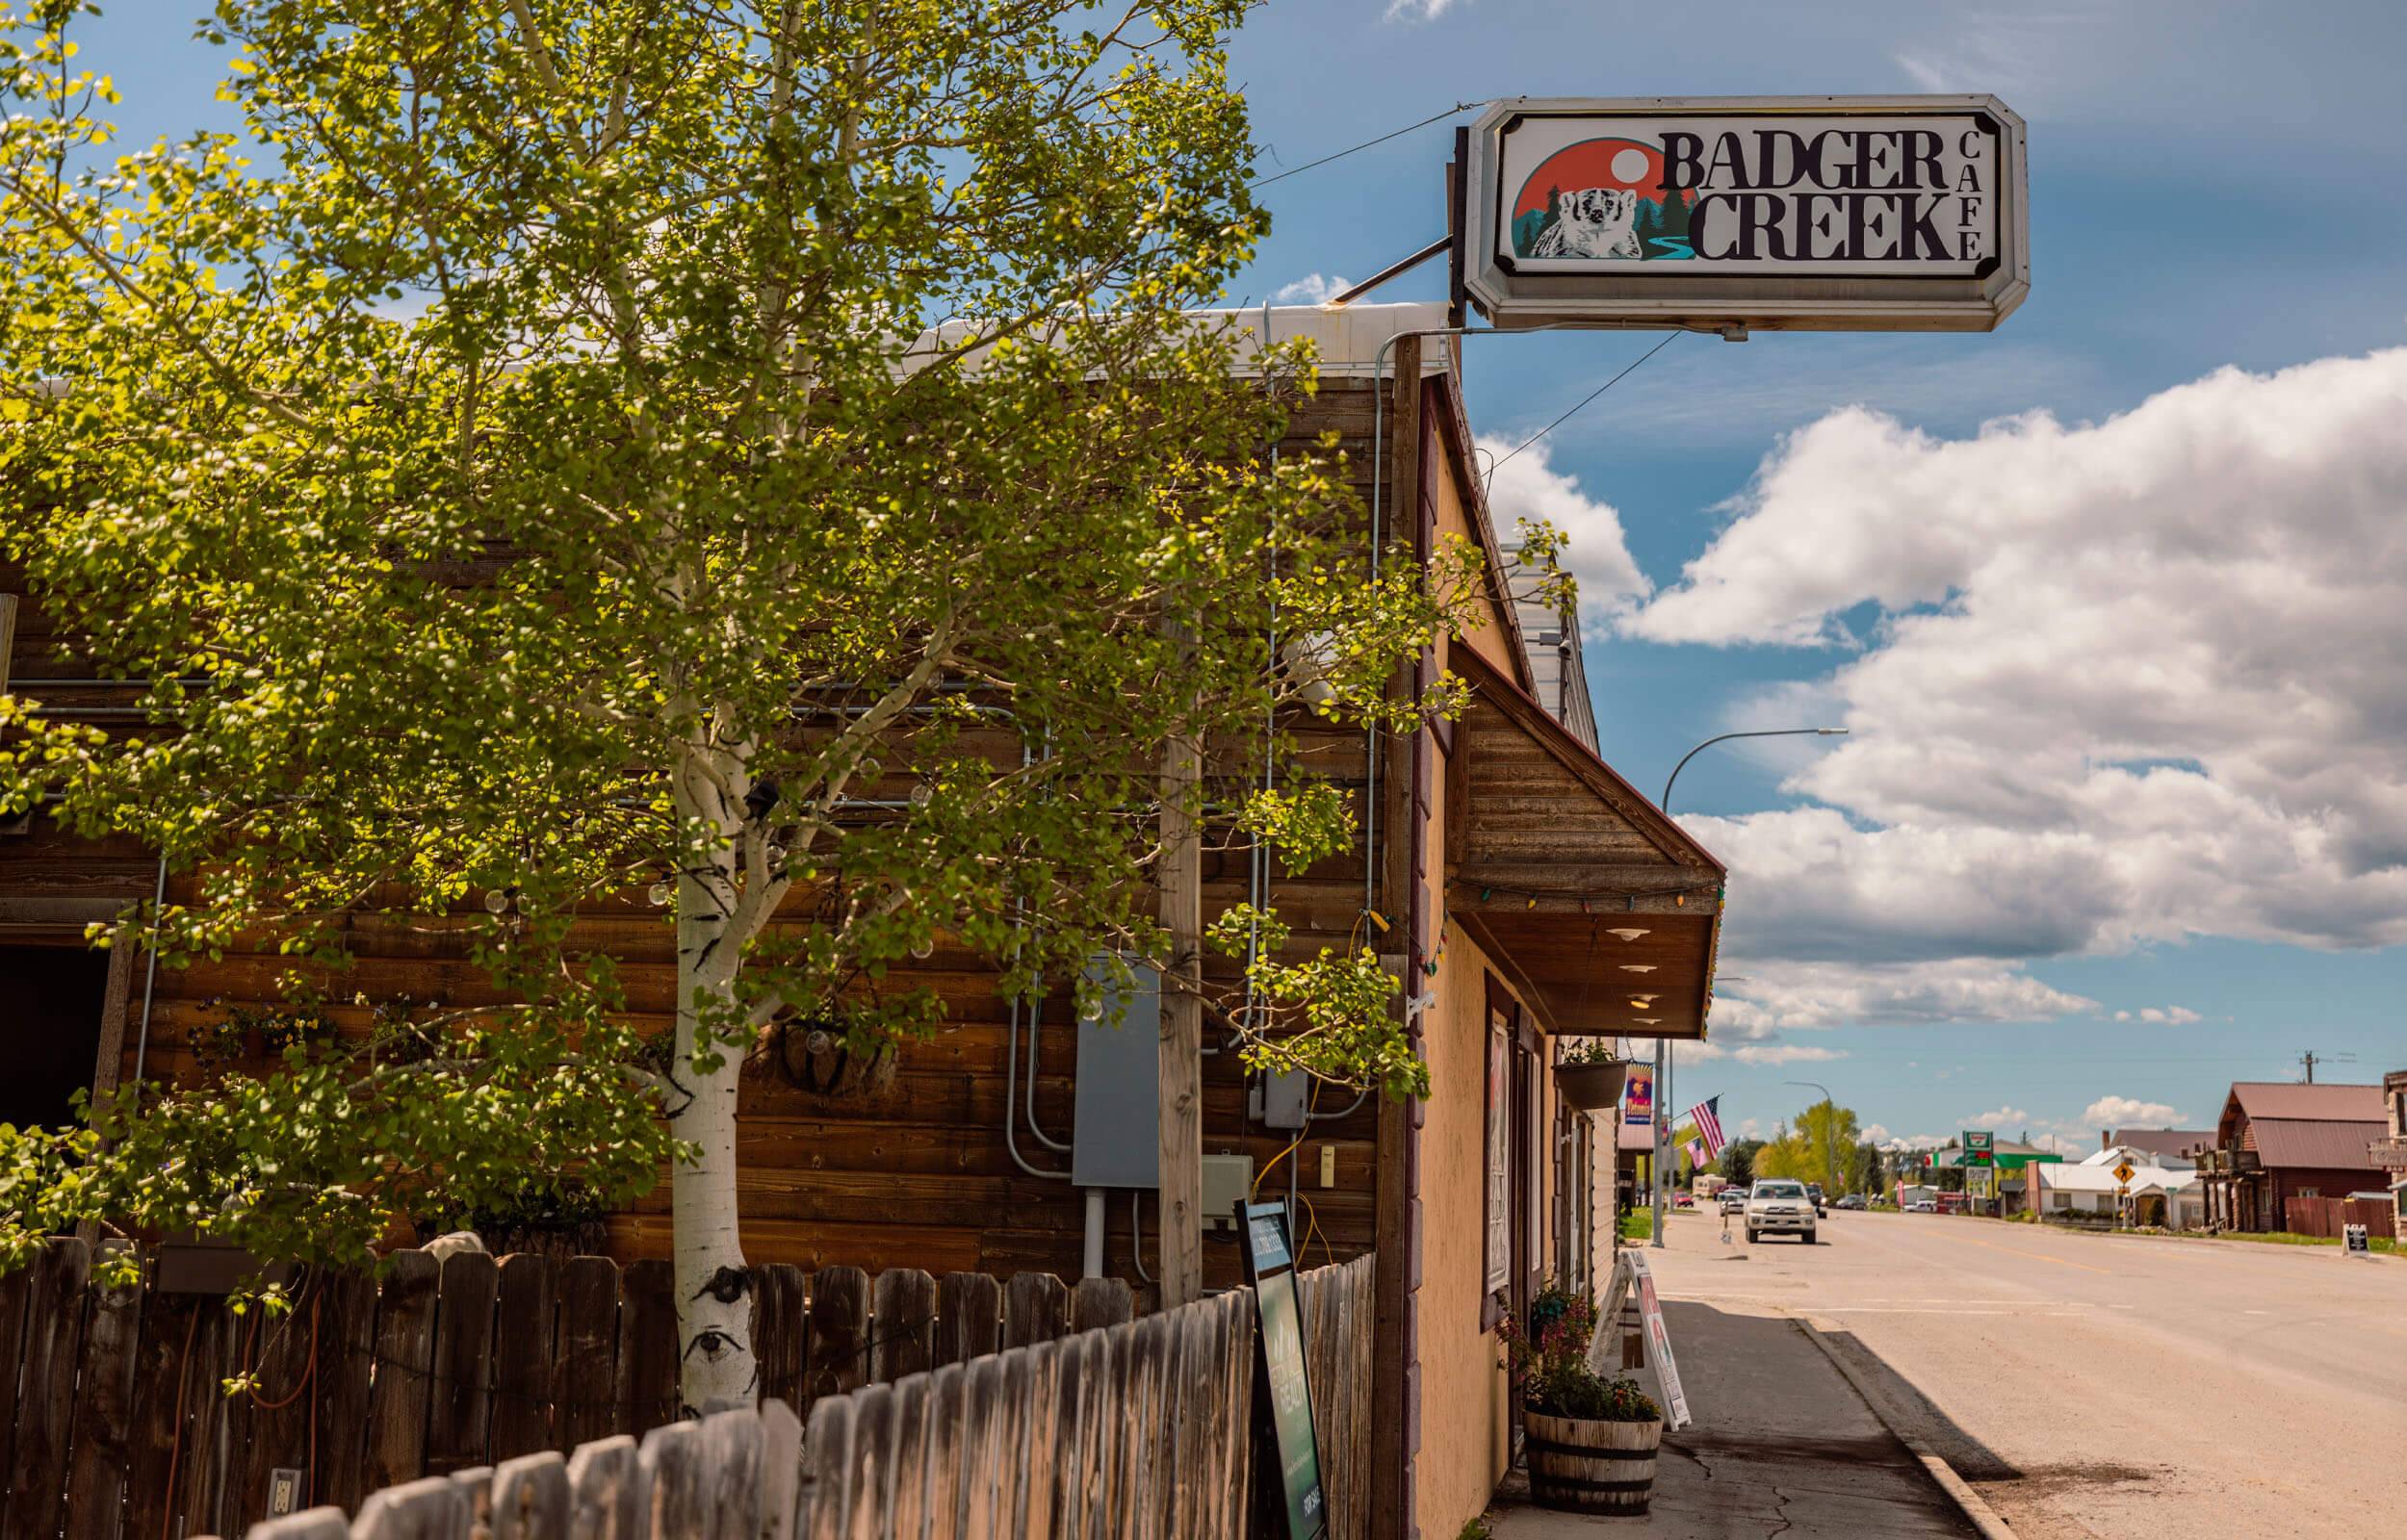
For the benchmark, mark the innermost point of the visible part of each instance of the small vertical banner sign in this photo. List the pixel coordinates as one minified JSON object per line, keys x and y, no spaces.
{"x":1637,"y":1097}
{"x":1295,"y":1508}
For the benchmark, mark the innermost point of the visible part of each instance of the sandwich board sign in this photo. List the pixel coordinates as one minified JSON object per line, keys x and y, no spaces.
{"x":1298,"y":1509}
{"x":2354,"y":1239}
{"x":1780,"y":213}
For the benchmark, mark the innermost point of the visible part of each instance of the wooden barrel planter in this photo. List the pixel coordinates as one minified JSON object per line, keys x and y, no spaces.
{"x":1591,"y":1088}
{"x":1579,"y":1466}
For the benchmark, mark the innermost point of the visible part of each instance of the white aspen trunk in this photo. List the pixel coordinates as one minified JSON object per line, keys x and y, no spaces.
{"x":713,"y":1286}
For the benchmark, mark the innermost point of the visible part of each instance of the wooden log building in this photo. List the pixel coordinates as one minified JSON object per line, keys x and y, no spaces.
{"x":1528,"y":893}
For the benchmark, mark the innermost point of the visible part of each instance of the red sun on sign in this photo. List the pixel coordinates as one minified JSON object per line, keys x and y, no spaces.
{"x":1621,"y":163}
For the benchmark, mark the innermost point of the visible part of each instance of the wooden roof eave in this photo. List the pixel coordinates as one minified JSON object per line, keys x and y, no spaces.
{"x":1648,"y":975}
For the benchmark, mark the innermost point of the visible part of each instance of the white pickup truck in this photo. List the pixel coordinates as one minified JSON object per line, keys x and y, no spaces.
{"x":1780,"y":1207}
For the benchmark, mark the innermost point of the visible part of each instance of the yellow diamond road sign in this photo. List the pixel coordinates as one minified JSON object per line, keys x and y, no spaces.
{"x":2123,"y":1171}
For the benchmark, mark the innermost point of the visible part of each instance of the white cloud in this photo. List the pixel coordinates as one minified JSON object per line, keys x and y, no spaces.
{"x":1994,"y":1119}
{"x":1756,"y":1053}
{"x":2126,"y":1112}
{"x":1418,"y":10}
{"x":2059,"y":1144}
{"x":1916,"y":1141}
{"x":1312,"y":289}
{"x":1526,"y":486}
{"x":1784,"y":994}
{"x":1751,"y":1128}
{"x":2122,"y":683}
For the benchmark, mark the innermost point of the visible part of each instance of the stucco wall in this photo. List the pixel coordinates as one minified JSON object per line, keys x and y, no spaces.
{"x":1462,"y":1392}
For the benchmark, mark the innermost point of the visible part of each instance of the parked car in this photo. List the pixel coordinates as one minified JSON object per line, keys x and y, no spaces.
{"x":1813,"y":1189}
{"x":1780,"y":1207}
{"x":1733,"y":1201}
{"x":1922,"y":1205}
{"x":1682,"y":1200}
{"x":1853,"y":1201}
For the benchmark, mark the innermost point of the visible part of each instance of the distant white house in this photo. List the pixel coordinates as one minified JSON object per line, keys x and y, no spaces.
{"x":2158,"y":1194}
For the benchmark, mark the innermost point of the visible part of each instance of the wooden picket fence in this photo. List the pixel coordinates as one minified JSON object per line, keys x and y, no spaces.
{"x":112,"y":1408}
{"x":1126,"y":1432}
{"x":114,"y":1422}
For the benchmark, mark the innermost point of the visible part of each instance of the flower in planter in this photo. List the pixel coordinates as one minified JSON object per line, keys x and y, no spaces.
{"x":1547,"y":1356}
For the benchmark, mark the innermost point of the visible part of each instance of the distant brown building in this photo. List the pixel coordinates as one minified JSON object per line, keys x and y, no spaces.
{"x":2277,"y":1141}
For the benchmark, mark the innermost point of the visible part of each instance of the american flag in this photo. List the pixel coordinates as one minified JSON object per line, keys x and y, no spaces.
{"x":1708,"y":1127}
{"x":1696,"y":1156}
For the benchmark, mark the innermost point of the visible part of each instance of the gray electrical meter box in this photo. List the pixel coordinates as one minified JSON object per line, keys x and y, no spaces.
{"x":1117,"y":1139}
{"x":1283,"y":1100}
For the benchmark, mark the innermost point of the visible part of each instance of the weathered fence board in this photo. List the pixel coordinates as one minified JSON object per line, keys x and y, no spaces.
{"x":780,"y":1329}
{"x":1067,"y":1418}
{"x":837,"y":1358}
{"x":459,"y":1411}
{"x":405,"y":1361}
{"x":531,"y":1498}
{"x":346,"y":1336}
{"x":523,"y":1301}
{"x":1098,"y":1302}
{"x":216,"y":1429}
{"x":104,"y":1413}
{"x":608,"y":1497}
{"x":584,"y":1360}
{"x":903,"y":1306}
{"x":1036,"y":1308}
{"x":283,"y":1358}
{"x":968,"y":1312}
{"x":648,"y":1349}
{"x":45,"y":1397}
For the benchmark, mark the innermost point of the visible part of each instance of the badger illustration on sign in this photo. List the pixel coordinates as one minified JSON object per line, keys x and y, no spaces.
{"x":1592,"y":222}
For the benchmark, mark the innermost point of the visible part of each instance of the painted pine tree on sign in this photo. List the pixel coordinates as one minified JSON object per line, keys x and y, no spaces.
{"x":521,"y":463}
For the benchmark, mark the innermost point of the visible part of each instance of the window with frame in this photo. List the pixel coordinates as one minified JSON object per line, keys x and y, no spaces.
{"x":1498,"y":1147}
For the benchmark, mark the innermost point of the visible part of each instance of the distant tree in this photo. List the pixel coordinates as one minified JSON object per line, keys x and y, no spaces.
{"x":1866,"y":1176}
{"x":1738,"y":1161}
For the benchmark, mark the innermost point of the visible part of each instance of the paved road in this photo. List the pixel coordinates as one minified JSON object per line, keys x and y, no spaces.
{"x":2107,"y":1387}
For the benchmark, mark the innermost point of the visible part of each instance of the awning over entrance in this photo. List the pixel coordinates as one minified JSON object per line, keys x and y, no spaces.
{"x":1606,"y":912}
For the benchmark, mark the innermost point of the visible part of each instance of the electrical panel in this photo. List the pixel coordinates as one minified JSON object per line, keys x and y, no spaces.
{"x":1117,"y":1139}
{"x":1228,"y":1181}
{"x":1282,"y":1101}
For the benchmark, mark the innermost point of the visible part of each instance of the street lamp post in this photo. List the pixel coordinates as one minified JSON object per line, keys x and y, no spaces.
{"x":1663,"y":1045}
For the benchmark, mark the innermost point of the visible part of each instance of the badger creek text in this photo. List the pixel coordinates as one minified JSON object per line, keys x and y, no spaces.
{"x":1844,"y":194}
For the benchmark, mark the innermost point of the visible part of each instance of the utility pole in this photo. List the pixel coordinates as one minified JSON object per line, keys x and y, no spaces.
{"x":2309,"y":1059}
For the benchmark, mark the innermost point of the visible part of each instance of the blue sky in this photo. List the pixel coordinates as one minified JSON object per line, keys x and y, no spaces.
{"x":2211,"y":187}
{"x":2123,"y":741}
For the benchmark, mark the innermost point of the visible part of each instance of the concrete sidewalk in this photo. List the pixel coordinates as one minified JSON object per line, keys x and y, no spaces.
{"x":1782,"y":1445}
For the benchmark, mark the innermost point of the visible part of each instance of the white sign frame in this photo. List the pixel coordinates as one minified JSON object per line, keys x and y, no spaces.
{"x":1826,"y":292}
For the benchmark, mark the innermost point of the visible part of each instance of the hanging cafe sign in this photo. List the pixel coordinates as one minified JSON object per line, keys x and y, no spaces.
{"x":1811,"y":213}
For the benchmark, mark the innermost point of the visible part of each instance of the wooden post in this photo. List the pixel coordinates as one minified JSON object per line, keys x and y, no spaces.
{"x":1395,"y":1376}
{"x":7,"y":636}
{"x":1181,"y":1059}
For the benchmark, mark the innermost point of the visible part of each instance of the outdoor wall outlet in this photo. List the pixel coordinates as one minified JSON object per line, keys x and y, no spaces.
{"x":283,"y":1491}
{"x":1328,"y":1166}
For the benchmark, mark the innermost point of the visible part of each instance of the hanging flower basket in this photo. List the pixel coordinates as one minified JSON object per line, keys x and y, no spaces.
{"x":1591,"y":1087}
